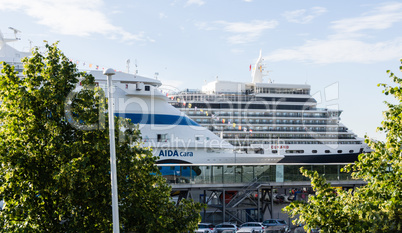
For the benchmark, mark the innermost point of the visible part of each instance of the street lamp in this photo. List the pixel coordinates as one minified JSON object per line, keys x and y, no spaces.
{"x":113,"y":175}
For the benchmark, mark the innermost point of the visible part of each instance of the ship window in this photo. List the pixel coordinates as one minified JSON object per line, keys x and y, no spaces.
{"x":162,"y":137}
{"x":295,"y":151}
{"x":147,"y":88}
{"x":327,"y":151}
{"x":351,"y":151}
{"x":339,"y":151}
{"x":274,"y":151}
{"x":314,"y":151}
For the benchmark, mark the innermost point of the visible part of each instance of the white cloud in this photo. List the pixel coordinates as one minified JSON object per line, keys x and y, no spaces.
{"x":237,"y":51}
{"x":71,"y":17}
{"x":304,"y":16}
{"x":349,"y":42}
{"x":162,"y":15}
{"x":382,"y":17}
{"x":205,"y":26}
{"x":241,"y":32}
{"x":246,"y":32}
{"x":338,"y":51}
{"x":195,"y":2}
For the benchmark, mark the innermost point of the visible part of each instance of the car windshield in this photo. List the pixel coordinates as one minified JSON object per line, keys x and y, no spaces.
{"x":227,"y":226}
{"x":250,"y":225}
{"x":202,"y":226}
{"x":282,"y":222}
{"x":270,"y":221}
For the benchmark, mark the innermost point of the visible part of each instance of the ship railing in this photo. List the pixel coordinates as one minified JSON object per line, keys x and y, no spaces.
{"x":190,"y":113}
{"x":268,"y":123}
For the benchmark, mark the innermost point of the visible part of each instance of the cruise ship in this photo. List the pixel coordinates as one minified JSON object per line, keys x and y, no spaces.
{"x":173,"y":136}
{"x":281,"y":118}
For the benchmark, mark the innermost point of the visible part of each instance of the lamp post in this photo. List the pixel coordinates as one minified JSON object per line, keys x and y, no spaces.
{"x":113,"y":173}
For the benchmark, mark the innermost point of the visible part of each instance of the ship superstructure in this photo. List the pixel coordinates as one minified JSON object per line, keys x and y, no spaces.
{"x":172,"y":135}
{"x":282,"y":118}
{"x":9,"y":54}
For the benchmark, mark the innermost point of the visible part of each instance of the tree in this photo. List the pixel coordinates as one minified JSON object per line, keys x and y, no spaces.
{"x":375,"y":207}
{"x":54,"y":156}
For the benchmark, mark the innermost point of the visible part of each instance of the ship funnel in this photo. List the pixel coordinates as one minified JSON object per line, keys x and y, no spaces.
{"x":256,"y":73}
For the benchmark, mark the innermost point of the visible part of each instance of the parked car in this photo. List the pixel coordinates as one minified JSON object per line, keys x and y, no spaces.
{"x":300,"y":229}
{"x":226,"y":227}
{"x":276,"y":224}
{"x":205,"y":228}
{"x":251,"y":227}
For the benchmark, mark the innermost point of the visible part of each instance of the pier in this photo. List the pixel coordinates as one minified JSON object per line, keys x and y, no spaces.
{"x":248,"y":193}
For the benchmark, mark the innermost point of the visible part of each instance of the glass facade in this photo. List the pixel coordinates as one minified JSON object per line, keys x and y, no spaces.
{"x":235,"y":174}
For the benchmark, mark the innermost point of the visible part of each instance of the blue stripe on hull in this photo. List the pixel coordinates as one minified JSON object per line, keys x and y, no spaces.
{"x":157,"y":119}
{"x":322,"y":158}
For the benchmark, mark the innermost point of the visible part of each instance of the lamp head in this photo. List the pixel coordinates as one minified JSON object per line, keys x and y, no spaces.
{"x":109,"y":71}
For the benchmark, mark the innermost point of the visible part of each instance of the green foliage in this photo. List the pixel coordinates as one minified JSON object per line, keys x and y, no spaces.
{"x":375,"y":207}
{"x":55,"y":169}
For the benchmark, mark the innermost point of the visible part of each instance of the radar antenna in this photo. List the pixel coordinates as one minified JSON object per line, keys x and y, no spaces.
{"x":128,"y":66}
{"x":15,"y":32}
{"x":30,"y":45}
{"x":6,"y":40}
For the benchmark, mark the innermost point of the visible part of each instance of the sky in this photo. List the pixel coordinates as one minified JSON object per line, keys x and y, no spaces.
{"x":341,"y":48}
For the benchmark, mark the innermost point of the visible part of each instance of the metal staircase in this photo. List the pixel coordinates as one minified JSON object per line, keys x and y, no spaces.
{"x":246,"y":192}
{"x":245,"y":198}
